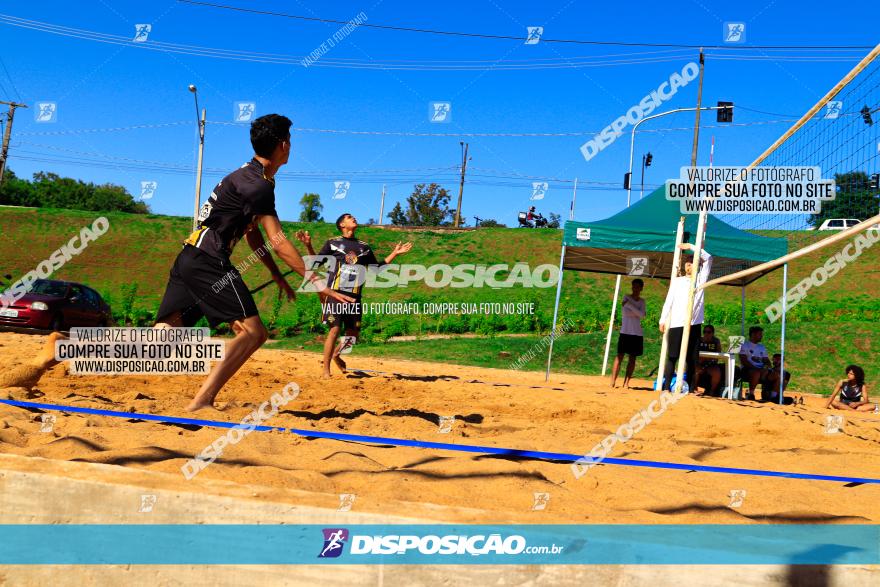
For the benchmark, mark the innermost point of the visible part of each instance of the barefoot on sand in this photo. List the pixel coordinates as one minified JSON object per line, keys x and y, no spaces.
{"x":29,"y":374}
{"x":207,"y":408}
{"x":340,"y":363}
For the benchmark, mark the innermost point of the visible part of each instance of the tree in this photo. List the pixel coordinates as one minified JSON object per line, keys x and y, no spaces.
{"x":17,"y":192}
{"x":49,"y":190}
{"x":427,"y":206}
{"x":490,"y":223}
{"x":311,"y":212}
{"x":554,"y":221}
{"x":855,"y":199}
{"x":397,"y":216}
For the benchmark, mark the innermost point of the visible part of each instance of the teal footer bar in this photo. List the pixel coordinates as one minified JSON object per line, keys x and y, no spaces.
{"x":440,"y":544}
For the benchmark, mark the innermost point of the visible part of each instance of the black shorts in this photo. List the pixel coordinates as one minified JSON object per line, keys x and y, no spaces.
{"x":346,"y":316}
{"x":203,"y":285}
{"x":630,"y":344}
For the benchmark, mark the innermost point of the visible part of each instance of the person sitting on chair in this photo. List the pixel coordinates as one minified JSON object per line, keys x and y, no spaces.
{"x":754,"y":360}
{"x":770,"y":384}
{"x":708,"y":376}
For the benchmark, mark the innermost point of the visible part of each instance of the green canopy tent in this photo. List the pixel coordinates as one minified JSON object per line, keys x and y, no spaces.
{"x":640,"y":240}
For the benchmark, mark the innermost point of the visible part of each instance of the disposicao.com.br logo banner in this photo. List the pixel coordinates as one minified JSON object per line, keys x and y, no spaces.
{"x":433,"y":544}
{"x":436,"y":543}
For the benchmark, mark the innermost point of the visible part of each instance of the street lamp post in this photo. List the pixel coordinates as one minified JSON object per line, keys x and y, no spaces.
{"x":201,"y":123}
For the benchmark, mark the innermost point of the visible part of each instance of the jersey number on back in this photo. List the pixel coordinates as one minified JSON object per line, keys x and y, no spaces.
{"x":205,"y":211}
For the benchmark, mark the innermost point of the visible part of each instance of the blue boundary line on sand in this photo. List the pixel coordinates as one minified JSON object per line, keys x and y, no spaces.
{"x":510,"y":452}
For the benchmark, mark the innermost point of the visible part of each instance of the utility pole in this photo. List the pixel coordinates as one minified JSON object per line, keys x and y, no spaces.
{"x":7,"y":134}
{"x":382,"y":207}
{"x":464,"y":160}
{"x":698,"y":247}
{"x":699,"y":109}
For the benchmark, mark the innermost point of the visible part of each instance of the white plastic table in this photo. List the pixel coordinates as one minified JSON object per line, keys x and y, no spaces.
{"x":730,"y":359}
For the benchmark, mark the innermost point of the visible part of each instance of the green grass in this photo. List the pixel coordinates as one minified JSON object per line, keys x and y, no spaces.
{"x":129,"y":265}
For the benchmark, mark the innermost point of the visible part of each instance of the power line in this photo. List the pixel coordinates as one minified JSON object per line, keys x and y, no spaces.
{"x":510,"y":37}
{"x":400,"y":175}
{"x":791,"y":116}
{"x":48,"y":133}
{"x":411,"y":134}
{"x":9,"y":77}
{"x":613,"y":60}
{"x":23,"y":155}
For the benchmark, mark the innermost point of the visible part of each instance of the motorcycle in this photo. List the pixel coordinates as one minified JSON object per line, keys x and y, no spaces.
{"x":524,"y":222}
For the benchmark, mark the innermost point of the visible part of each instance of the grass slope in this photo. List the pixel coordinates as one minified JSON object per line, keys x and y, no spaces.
{"x":832,"y":326}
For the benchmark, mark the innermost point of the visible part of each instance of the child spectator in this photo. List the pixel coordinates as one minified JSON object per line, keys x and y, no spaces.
{"x":631,"y":339}
{"x":853,"y":392}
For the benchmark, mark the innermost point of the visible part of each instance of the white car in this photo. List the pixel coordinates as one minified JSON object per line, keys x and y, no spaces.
{"x":839,"y":223}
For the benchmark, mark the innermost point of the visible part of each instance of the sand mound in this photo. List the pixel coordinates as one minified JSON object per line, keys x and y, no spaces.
{"x":497,"y":408}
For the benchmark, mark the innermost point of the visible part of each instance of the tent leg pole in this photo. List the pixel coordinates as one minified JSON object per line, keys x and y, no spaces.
{"x":782,"y":340}
{"x":742,"y":321}
{"x":664,"y":344}
{"x":555,"y":314}
{"x":611,"y":325}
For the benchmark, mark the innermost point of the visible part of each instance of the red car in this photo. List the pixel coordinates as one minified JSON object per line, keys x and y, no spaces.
{"x":57,"y":305}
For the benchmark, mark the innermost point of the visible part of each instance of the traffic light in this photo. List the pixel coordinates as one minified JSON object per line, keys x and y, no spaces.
{"x":724,"y":112}
{"x":648,"y":159}
{"x":626,"y":179}
{"x":866,"y":115}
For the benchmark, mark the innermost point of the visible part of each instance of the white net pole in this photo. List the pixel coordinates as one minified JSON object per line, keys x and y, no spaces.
{"x":664,"y":344}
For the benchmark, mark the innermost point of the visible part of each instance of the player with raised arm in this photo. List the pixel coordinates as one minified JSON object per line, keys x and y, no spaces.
{"x":347,"y":276}
{"x":673,"y":315}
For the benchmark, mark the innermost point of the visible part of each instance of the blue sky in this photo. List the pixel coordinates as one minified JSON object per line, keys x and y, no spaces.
{"x":100,"y":86}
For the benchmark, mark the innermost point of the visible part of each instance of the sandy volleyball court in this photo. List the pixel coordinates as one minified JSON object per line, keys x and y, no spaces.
{"x":497,"y":408}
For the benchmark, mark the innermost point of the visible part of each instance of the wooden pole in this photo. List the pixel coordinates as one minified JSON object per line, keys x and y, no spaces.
{"x":698,"y":247}
{"x":7,"y":134}
{"x":461,"y":185}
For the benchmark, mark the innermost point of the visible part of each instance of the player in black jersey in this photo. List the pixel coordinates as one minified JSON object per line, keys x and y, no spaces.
{"x":203,"y":281}
{"x":346,"y":276}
